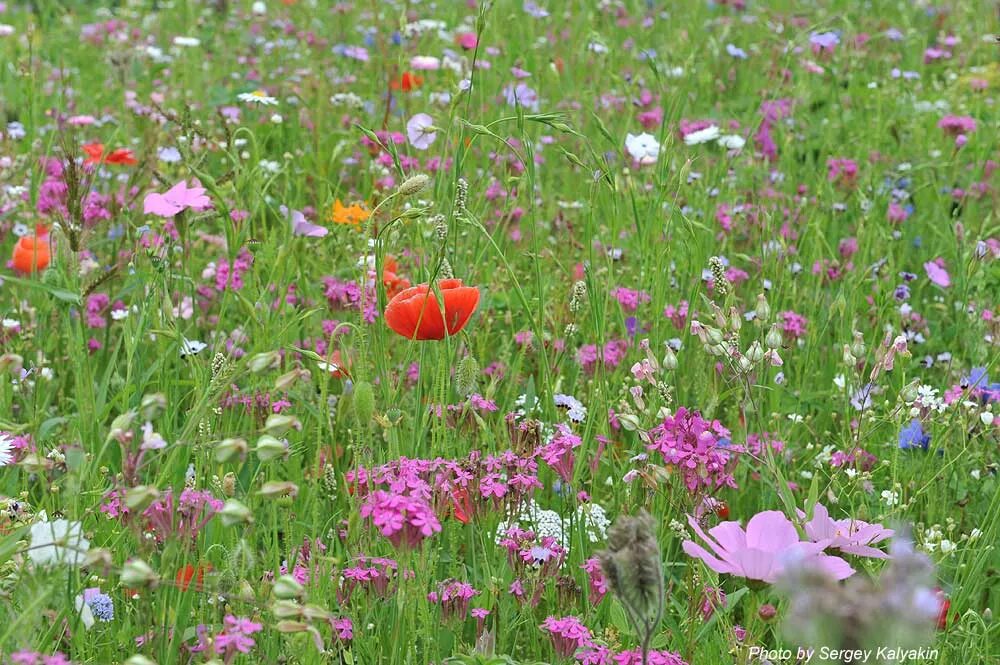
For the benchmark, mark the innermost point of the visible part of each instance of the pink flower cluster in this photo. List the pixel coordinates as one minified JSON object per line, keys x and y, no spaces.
{"x":691,"y":445}
{"x":568,"y":634}
{"x":403,"y":519}
{"x":558,"y":453}
{"x":453,"y":597}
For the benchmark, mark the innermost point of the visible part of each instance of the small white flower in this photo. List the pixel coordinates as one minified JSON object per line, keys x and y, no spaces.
{"x":277,"y":119}
{"x":986,"y":418}
{"x":187,"y":41}
{"x":119,"y":314}
{"x":257,"y":97}
{"x":643,"y":148}
{"x":6,"y":450}
{"x":710,"y":133}
{"x":732,"y":141}
{"x":58,"y":542}
{"x":947,"y":547}
{"x":258,"y":8}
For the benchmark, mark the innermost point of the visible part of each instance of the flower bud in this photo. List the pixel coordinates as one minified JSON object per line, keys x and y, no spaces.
{"x":234,"y":512}
{"x":137,"y":574}
{"x":286,"y":609}
{"x":278,"y":424}
{"x":756,"y":352}
{"x":414,"y":184}
{"x":138,"y":498}
{"x":763,"y":309}
{"x":292,"y":627}
{"x":858,"y":346}
{"x":849,"y":358}
{"x":273,"y":489}
{"x":466,"y":376}
{"x":767,"y":612}
{"x":13,"y":363}
{"x":153,"y":406}
{"x":284,"y":382}
{"x":269,"y":448}
{"x":909,"y":392}
{"x":246,"y":593}
{"x":139,"y":659}
{"x":121,"y":425}
{"x":735,"y":320}
{"x":669,"y":359}
{"x":228,"y":450}
{"x":714,"y":335}
{"x":628,"y":421}
{"x":287,"y":587}
{"x":364,"y":402}
{"x":773,"y":338}
{"x":265,"y":361}
{"x":744,"y":365}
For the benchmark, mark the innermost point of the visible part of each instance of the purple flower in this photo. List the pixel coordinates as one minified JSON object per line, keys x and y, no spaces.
{"x":850,"y":536}
{"x":420,"y":131}
{"x":912,"y":436}
{"x":568,"y":634}
{"x":691,"y":445}
{"x":404,"y":520}
{"x":521,"y":95}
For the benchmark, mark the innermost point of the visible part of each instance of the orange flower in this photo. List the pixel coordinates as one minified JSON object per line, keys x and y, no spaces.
{"x":414,"y":313}
{"x":120,"y":156}
{"x":394,"y":284}
{"x":354,"y":214}
{"x":196,"y":573}
{"x":31,"y":254}
{"x":407,"y":82}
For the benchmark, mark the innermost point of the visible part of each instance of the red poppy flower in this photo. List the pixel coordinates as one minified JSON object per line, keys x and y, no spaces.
{"x":407,"y":82}
{"x":31,"y":254}
{"x":415,"y":313}
{"x":188,"y":573}
{"x":944,"y":605}
{"x":394,"y":284}
{"x":461,"y":504}
{"x":119,"y":156}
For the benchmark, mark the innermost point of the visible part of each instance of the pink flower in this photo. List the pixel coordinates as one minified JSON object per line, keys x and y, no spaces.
{"x":762,"y":551}
{"x":467,"y":40}
{"x":850,"y":536}
{"x":178,"y":198}
{"x":691,"y":445}
{"x":568,"y":634}
{"x":937,"y":274}
{"x":404,"y":520}
{"x":420,"y":131}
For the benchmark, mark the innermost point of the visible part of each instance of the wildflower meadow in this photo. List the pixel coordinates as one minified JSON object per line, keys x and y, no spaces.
{"x":510,"y":332}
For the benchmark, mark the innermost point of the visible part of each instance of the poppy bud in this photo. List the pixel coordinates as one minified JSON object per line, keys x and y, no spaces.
{"x":278,"y":424}
{"x":364,"y":402}
{"x":153,"y":406}
{"x":265,"y":361}
{"x":287,"y":587}
{"x":136,"y":574}
{"x":269,"y":448}
{"x":138,"y":498}
{"x":414,"y":185}
{"x":228,"y":450}
{"x":234,"y":512}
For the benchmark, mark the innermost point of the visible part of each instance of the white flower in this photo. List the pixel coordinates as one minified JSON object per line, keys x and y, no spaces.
{"x":732,"y":141}
{"x":643,"y":148}
{"x":187,"y":41}
{"x":6,"y":450}
{"x":86,"y":614}
{"x":257,"y":97}
{"x":58,"y":542}
{"x":258,"y":8}
{"x":986,"y":418}
{"x":6,"y":30}
{"x":710,"y":133}
{"x":119,"y":314}
{"x":947,"y":547}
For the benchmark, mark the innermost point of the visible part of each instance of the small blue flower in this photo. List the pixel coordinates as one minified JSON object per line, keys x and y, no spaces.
{"x":102,"y":606}
{"x":912,"y":436}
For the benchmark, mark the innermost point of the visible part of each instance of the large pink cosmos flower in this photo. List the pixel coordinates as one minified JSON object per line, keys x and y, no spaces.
{"x":176,"y":199}
{"x":761,"y":552}
{"x":850,"y":536}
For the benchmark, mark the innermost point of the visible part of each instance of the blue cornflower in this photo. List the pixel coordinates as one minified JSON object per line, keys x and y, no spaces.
{"x":102,"y":606}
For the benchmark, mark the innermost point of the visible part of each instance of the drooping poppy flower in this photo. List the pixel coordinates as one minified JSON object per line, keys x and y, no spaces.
{"x":31,"y":254}
{"x":415,"y":313}
{"x":393,"y":282}
{"x":408,"y":82}
{"x":352,"y":215}
{"x":191,"y":572}
{"x":120,"y":156}
{"x":461,"y":504}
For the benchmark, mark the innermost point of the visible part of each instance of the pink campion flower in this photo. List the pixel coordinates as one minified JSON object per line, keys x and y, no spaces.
{"x":841,"y":170}
{"x":596,"y":580}
{"x":762,"y":551}
{"x":691,"y":445}
{"x":343,"y":629}
{"x":568,"y":634}
{"x":467,"y":40}
{"x":404,"y":520}
{"x":235,"y":637}
{"x":454,"y":597}
{"x":850,"y":536}
{"x":937,"y":274}
{"x":178,"y":198}
{"x":558,"y":453}
{"x":793,"y":325}
{"x":954,"y":125}
{"x":630,"y":299}
{"x":897,"y":213}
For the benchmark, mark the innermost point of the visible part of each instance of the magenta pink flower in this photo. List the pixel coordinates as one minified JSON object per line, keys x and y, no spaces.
{"x":690,"y":444}
{"x":937,"y":274}
{"x":567,"y":633}
{"x":761,"y":552}
{"x":178,"y":198}
{"x":850,"y":536}
{"x":404,"y":520}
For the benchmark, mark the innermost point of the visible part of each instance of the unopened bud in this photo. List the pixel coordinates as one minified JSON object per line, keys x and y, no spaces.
{"x":735,"y":320}
{"x":858,"y":346}
{"x":286,"y":609}
{"x":714,"y":335}
{"x":466,"y":376}
{"x":773,"y":338}
{"x":137,"y":574}
{"x":744,"y":365}
{"x":763,"y":309}
{"x":228,"y":450}
{"x":767,"y":612}
{"x":274,"y":489}
{"x":287,"y":587}
{"x":669,"y":359}
{"x":414,"y":184}
{"x":269,"y":448}
{"x":278,"y":424}
{"x":364,"y":402}
{"x":284,"y":382}
{"x":756,"y":352}
{"x":849,"y":358}
{"x":909,"y":392}
{"x":234,"y":512}
{"x":153,"y":406}
{"x":137,"y":499}
{"x":265,"y":361}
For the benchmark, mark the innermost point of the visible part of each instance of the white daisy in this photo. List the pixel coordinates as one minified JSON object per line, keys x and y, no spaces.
{"x":257,"y":97}
{"x":710,"y":133}
{"x":643,"y":148}
{"x":6,"y":450}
